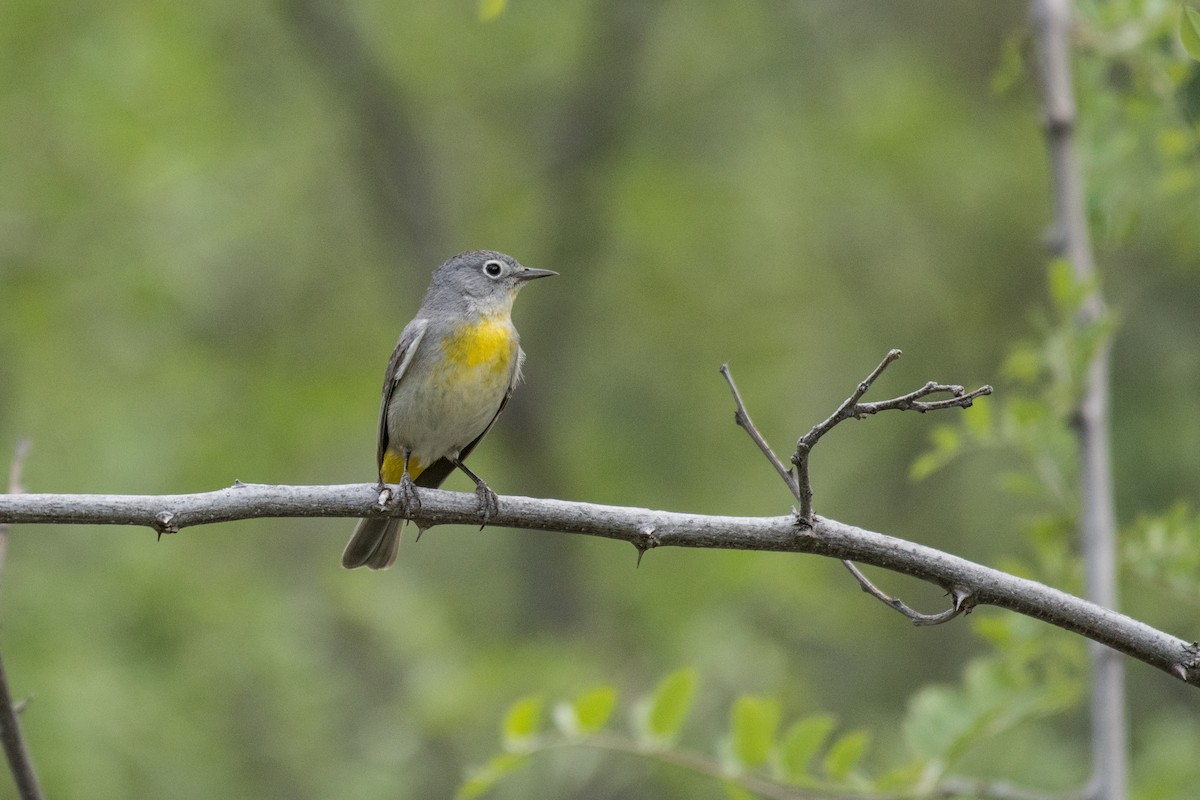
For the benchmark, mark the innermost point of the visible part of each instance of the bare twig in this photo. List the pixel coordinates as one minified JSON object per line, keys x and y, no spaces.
{"x":959,"y":398}
{"x":1097,"y":522}
{"x":801,"y":485}
{"x":828,"y":538}
{"x":851,"y":408}
{"x":742,"y":417}
{"x":15,"y":751}
{"x":806,"y":443}
{"x":10,"y":728}
{"x":960,"y":597}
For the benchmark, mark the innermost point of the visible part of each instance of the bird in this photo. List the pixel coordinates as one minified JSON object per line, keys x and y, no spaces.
{"x":450,"y":375}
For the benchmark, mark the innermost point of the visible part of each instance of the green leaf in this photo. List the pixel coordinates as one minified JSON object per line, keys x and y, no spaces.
{"x":1162,"y":550}
{"x":801,"y":742}
{"x":490,"y":9}
{"x":845,"y":753}
{"x":594,"y":707}
{"x":670,"y":704}
{"x":588,"y":713}
{"x":483,"y":779}
{"x":522,"y":722}
{"x":1189,"y":31}
{"x":753,"y":726}
{"x":938,"y":720}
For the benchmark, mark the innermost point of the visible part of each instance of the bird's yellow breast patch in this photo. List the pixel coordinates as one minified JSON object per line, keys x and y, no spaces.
{"x":488,"y":343}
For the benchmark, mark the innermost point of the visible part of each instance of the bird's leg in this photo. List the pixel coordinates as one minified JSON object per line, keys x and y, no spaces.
{"x":489,"y":504}
{"x":409,"y":500}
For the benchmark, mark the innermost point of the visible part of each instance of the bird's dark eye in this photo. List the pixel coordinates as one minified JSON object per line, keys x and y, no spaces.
{"x":493,"y":269}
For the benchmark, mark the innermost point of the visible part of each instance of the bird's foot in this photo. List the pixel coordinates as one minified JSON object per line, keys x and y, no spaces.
{"x":489,"y":504}
{"x":408,"y":501}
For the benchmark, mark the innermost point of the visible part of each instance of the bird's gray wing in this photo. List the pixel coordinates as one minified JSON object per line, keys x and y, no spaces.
{"x":438,"y":471}
{"x":402,"y":356}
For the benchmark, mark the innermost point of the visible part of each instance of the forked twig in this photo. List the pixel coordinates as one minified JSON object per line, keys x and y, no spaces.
{"x":799,"y":481}
{"x":851,"y":408}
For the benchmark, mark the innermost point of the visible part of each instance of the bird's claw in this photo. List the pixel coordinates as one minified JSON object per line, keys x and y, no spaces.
{"x":409,"y":501}
{"x":489,"y":504}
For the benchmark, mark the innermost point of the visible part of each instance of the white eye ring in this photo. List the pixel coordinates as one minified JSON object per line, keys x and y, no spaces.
{"x":493,"y":268}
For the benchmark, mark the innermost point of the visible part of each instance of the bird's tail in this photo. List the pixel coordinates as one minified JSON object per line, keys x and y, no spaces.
{"x":374,"y":544}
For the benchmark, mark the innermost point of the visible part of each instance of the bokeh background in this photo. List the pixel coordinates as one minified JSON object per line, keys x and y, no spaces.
{"x":216,"y":217}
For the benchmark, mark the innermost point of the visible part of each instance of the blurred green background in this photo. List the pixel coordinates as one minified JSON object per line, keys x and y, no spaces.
{"x":216,"y":217}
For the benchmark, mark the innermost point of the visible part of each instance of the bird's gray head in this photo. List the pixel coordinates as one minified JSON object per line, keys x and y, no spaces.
{"x":481,"y":280}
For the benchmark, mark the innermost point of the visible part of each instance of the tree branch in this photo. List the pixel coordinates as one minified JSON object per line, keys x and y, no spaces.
{"x":642,"y":527}
{"x":15,"y":751}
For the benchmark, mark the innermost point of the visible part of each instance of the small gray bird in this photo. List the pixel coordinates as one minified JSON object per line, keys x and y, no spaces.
{"x":450,"y":376}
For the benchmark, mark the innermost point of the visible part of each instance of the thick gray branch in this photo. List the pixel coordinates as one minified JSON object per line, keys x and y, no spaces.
{"x":645,"y":529}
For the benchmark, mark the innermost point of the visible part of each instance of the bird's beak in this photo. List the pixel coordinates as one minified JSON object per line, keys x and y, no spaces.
{"x":528,"y":274}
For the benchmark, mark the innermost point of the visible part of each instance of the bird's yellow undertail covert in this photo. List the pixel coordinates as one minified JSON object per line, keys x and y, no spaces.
{"x":450,"y":376}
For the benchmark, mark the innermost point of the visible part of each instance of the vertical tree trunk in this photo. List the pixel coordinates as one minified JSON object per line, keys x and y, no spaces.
{"x":1097,"y":518}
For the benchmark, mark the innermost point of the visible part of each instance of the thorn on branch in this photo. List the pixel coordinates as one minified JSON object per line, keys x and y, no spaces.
{"x":649,"y":541}
{"x":164,"y":522}
{"x":1191,"y":662}
{"x":963,"y":599}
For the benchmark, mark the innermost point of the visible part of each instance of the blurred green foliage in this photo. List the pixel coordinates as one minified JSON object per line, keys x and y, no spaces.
{"x":215,"y":218}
